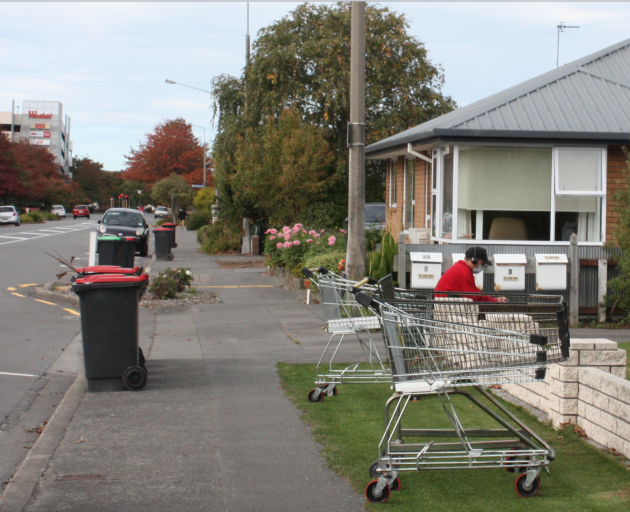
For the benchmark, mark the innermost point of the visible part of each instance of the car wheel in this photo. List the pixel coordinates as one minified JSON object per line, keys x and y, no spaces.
{"x":88,"y":217}
{"x":17,"y":223}
{"x":75,"y":217}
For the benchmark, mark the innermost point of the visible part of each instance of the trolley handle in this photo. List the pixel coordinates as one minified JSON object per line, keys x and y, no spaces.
{"x":363,"y":298}
{"x":308,"y":273}
{"x":323,"y":270}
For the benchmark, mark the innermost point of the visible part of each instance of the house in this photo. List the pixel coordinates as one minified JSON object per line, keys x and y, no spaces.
{"x":529,"y":165}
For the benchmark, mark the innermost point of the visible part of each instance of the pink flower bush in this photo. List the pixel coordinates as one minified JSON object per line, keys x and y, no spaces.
{"x":272,"y":237}
{"x":331,"y":240}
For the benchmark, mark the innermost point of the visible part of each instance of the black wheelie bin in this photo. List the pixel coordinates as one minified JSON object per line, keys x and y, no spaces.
{"x":109,"y":325}
{"x":163,"y":238}
{"x":117,"y":251}
{"x":171,"y":225}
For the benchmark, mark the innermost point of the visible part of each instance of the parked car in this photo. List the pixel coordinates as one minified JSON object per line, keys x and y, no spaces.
{"x":126,"y":222}
{"x":374,"y":216}
{"x":161,"y":212}
{"x":9,"y":215}
{"x":81,"y":210}
{"x":58,"y":210}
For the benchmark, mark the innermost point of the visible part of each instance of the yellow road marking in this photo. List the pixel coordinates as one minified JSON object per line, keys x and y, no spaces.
{"x":239,"y":286}
{"x":26,"y":285}
{"x":71,"y":311}
{"x":11,"y":289}
{"x":17,"y":294}
{"x":45,"y":302}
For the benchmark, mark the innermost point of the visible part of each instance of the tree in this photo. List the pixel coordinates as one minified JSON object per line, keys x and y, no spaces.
{"x":204,"y":199}
{"x":10,"y":182}
{"x":97,"y":184}
{"x":302,"y":63}
{"x":170,"y":148}
{"x":174,"y":186}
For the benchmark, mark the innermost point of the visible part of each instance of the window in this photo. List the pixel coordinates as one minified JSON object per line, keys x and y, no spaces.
{"x":392,"y":183}
{"x":410,"y":179}
{"x":447,"y":192}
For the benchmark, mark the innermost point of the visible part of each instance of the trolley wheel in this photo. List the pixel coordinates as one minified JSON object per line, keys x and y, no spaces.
{"x":334,"y":390}
{"x":369,"y":493}
{"x":135,"y":378}
{"x":141,"y":358}
{"x":313,"y":396}
{"x":170,"y":257}
{"x":373,"y":468}
{"x":522,"y":491}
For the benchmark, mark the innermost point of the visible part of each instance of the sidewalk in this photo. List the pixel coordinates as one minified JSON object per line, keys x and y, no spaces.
{"x":213,"y":430}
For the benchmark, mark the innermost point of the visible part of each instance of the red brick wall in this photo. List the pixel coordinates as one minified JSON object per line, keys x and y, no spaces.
{"x":615,"y":179}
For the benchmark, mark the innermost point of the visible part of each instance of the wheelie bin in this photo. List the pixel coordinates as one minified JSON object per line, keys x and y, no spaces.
{"x":109,"y":325}
{"x":171,"y":225}
{"x":117,"y":251}
{"x":163,"y":238}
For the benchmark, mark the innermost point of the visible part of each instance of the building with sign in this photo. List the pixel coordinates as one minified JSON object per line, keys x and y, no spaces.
{"x":42,"y":123}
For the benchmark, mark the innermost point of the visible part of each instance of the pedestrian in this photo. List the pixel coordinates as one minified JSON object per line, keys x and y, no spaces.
{"x":459,"y":278}
{"x":182,"y":215}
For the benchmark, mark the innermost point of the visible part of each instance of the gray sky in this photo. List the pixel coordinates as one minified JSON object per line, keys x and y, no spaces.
{"x":107,"y":62}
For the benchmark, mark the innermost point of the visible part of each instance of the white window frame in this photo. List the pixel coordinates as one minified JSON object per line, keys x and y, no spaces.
{"x":407,"y":162}
{"x":437,"y":155}
{"x":393,"y":182}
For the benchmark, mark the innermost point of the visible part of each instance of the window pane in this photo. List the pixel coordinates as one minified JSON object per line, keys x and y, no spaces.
{"x":409,"y":192}
{"x":447,"y":193}
{"x":579,"y":170}
{"x":509,"y":179}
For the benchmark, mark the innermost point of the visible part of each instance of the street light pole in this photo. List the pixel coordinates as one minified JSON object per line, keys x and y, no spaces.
{"x":204,"y":147}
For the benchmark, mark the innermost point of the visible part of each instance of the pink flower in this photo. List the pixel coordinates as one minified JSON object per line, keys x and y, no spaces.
{"x":286,"y":229}
{"x":316,"y":235}
{"x":296,"y":242}
{"x":312,"y":232}
{"x":297,"y":226}
{"x":343,"y":231}
{"x":268,"y":231}
{"x":331,"y":240}
{"x":310,"y":240}
{"x":273,"y":231}
{"x":295,"y":229}
{"x":322,"y":230}
{"x":280,"y":235}
{"x":272,"y":237}
{"x":303,"y":230}
{"x":287,"y":237}
{"x":286,"y":245}
{"x":279,"y":245}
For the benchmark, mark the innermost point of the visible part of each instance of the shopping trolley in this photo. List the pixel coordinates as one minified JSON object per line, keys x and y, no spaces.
{"x":344,"y":316}
{"x":432,"y":355}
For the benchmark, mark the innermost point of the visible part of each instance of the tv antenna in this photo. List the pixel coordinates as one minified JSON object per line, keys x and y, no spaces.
{"x":561,"y":28}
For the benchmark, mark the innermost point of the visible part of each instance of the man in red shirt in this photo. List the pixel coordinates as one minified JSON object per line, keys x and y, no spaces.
{"x":459,"y":278}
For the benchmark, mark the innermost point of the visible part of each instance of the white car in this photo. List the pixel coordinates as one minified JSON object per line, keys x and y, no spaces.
{"x":58,"y":210}
{"x":9,"y":215}
{"x":161,"y":212}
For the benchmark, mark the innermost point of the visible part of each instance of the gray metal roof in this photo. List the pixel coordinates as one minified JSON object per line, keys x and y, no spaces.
{"x":586,"y":99}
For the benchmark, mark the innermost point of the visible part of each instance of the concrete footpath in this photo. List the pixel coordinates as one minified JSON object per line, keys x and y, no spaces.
{"x":212,"y":431}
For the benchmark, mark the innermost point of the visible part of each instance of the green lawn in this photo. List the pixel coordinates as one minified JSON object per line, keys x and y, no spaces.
{"x":626,"y":347}
{"x":349,"y":427}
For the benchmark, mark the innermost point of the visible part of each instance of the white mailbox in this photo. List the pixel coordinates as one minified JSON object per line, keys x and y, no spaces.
{"x":478,"y":277}
{"x":509,"y":272}
{"x":426,"y":269}
{"x":551,"y":271}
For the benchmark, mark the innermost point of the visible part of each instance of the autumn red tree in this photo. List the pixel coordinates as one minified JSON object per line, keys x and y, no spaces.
{"x":170,"y":148}
{"x":11,"y":178}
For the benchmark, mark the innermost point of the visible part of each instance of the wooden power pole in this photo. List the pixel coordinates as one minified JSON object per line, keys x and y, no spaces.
{"x":355,"y":256}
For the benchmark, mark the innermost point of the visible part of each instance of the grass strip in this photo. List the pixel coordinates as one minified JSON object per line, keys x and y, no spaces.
{"x":626,"y":347}
{"x":349,"y":427}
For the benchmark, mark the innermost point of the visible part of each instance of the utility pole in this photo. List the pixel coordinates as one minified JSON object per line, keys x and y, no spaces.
{"x":245,"y":248}
{"x":355,"y":256}
{"x":561,"y":28}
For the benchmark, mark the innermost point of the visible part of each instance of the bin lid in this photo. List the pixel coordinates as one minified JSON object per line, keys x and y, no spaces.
{"x":163,"y":229}
{"x":426,"y":257}
{"x":551,"y":259}
{"x":510,"y":259}
{"x":112,"y":278}
{"x":169,"y":224}
{"x":109,"y":269}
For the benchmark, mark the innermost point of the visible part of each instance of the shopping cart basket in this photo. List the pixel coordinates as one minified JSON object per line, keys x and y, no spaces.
{"x":432,"y":355}
{"x":344,"y":316}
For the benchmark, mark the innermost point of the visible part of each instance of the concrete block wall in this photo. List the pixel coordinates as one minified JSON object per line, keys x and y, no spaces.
{"x":589,"y":390}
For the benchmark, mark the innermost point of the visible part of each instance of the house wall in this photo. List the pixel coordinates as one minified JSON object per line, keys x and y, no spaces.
{"x":615,"y":180}
{"x":394,"y":215}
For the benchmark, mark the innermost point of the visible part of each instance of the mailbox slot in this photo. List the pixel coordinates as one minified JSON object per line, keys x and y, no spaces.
{"x":426,"y":269}
{"x":551,"y":271}
{"x":509,"y":272}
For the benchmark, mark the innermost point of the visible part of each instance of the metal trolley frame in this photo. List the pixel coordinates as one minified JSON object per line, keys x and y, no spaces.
{"x":344,"y":316}
{"x":431,"y":354}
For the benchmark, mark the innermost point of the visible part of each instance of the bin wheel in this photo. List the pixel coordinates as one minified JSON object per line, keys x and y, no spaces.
{"x":141,"y":359}
{"x":369,"y":493}
{"x":313,"y":396}
{"x":170,"y":257}
{"x":522,"y":491}
{"x":135,"y":378}
{"x":395,"y":485}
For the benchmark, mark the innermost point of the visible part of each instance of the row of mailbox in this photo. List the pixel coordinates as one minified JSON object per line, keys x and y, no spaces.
{"x":509,"y":271}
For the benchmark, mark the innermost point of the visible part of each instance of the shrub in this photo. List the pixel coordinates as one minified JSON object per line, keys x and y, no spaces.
{"x":329,"y":260}
{"x":204,"y":199}
{"x":220,"y":237}
{"x":50,"y":216}
{"x":161,"y":221}
{"x":381,"y":263}
{"x":373,"y":236}
{"x":36,"y":216}
{"x":163,"y":287}
{"x":197,"y":220}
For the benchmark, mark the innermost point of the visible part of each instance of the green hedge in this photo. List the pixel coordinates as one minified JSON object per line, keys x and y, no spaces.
{"x":220,"y":237}
{"x":197,"y":220}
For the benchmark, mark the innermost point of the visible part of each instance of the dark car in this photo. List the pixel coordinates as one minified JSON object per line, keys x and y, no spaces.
{"x":374,"y":216}
{"x":126,"y":222}
{"x":81,"y":210}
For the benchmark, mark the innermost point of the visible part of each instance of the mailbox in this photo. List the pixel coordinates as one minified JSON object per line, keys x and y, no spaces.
{"x":509,"y":272}
{"x":551,"y":271}
{"x":478,"y":277}
{"x":426,"y":269}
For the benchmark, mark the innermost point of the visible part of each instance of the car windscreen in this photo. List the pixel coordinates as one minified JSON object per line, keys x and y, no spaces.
{"x":374,"y":213}
{"x":161,"y":208}
{"x":5,"y":209}
{"x":123,"y":219}
{"x":57,"y":207}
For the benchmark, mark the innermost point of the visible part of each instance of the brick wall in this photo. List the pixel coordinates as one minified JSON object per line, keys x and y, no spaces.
{"x":614,"y":181}
{"x":589,"y":390}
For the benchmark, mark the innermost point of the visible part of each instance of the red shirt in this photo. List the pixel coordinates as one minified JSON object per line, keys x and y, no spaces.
{"x":459,"y":278}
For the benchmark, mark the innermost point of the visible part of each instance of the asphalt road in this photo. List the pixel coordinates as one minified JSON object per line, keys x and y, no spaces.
{"x":33,"y":332}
